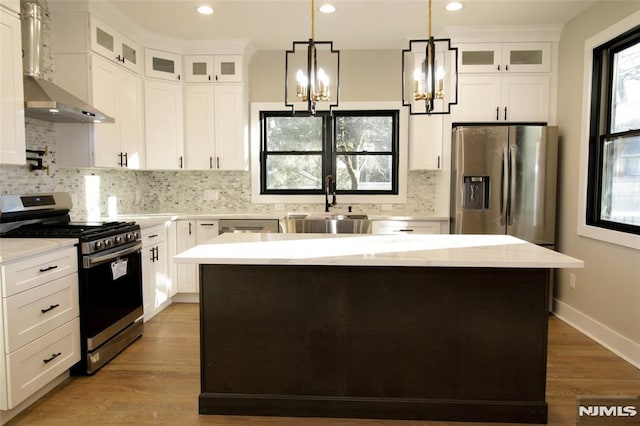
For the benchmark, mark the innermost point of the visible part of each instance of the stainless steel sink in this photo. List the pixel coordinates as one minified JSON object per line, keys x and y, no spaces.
{"x":326,"y":224}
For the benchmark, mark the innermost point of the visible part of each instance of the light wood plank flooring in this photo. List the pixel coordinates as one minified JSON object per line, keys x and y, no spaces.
{"x":156,"y":381}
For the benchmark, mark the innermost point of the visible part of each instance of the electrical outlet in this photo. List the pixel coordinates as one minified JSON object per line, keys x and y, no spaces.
{"x":572,"y":281}
{"x":211,"y":195}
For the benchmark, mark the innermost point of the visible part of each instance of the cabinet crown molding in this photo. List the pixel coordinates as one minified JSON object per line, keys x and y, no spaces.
{"x":504,"y":33}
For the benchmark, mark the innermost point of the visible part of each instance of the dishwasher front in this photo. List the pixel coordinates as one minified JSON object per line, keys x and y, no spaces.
{"x":248,"y":225}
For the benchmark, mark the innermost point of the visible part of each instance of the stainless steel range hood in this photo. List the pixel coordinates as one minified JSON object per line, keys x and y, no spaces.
{"x":43,"y":99}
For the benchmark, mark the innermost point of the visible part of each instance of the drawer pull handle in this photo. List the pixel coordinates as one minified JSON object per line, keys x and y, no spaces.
{"x":153,"y":236}
{"x":405,"y":230}
{"x":53,"y":356}
{"x":50,"y":308}
{"x":48,"y":268}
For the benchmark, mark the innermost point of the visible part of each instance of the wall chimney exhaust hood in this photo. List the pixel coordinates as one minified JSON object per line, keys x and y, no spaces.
{"x":43,"y":99}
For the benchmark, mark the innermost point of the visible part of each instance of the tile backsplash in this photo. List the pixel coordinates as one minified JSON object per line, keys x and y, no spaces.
{"x":150,"y":192}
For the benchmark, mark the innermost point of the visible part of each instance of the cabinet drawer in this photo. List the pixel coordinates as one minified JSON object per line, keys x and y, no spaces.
{"x":36,"y":364}
{"x":36,"y":312}
{"x":28,"y":273}
{"x":153,"y":235}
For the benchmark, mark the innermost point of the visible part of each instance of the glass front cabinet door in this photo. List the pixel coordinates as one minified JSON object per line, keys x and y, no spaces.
{"x":504,"y":57}
{"x":163,"y":65}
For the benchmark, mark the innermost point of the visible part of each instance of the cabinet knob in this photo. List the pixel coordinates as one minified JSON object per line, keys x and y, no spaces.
{"x":179,"y":77}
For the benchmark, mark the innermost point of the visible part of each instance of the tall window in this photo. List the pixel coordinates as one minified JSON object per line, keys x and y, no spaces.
{"x":614,"y":146}
{"x":358,"y":148}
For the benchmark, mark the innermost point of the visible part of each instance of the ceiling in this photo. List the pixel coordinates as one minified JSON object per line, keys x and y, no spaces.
{"x":357,"y":24}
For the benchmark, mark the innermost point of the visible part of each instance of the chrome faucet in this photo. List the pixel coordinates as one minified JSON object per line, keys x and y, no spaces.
{"x":327,"y":183}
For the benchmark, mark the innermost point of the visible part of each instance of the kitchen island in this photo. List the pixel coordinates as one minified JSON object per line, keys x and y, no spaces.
{"x":439,"y":327}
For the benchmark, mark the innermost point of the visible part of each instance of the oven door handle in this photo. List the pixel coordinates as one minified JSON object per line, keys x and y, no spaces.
{"x":91,"y":261}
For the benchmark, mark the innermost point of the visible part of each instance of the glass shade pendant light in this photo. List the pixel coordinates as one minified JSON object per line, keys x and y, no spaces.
{"x":312,"y":74}
{"x":430,"y":75}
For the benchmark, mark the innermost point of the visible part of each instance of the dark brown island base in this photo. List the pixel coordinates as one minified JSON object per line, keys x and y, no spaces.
{"x":375,"y":335}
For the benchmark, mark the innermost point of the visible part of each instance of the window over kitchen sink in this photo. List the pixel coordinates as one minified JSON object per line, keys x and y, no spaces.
{"x":358,"y":148}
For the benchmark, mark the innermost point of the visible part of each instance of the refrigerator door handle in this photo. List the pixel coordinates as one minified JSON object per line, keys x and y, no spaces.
{"x":512,"y":184}
{"x":505,"y":186}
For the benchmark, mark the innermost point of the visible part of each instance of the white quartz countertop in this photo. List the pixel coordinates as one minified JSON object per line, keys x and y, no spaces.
{"x":479,"y":251}
{"x":156,"y":218}
{"x":17,"y":248}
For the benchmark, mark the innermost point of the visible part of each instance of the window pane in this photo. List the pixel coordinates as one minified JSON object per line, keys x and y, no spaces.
{"x":621,"y":181}
{"x":364,"y":133}
{"x":294,"y":172}
{"x":364,"y":172}
{"x":294,"y":133}
{"x":625,"y":111}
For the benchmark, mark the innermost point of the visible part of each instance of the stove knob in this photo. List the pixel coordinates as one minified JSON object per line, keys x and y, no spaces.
{"x":136,"y":235}
{"x":130,"y":236}
{"x":98,"y":245}
{"x":119,"y":239}
{"x":108,"y":243}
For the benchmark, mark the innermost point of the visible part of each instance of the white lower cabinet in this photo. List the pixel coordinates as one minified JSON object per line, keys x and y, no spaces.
{"x":185,"y":239}
{"x":36,"y":364}
{"x":409,"y":227}
{"x":156,"y":279}
{"x":40,"y":332}
{"x":190,"y":233}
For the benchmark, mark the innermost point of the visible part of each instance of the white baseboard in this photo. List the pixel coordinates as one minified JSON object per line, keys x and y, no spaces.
{"x":186,"y":298}
{"x":610,"y":339}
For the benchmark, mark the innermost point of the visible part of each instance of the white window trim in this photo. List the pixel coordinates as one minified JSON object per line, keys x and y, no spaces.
{"x":585,"y":230}
{"x":403,"y":147}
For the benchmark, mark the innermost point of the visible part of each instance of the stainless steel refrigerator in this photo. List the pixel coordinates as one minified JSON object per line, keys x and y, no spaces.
{"x":504,"y":181}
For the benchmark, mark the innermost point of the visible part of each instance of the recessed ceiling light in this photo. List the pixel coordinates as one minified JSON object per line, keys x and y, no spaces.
{"x":327,"y":8}
{"x":452,"y":6}
{"x":205,"y":10}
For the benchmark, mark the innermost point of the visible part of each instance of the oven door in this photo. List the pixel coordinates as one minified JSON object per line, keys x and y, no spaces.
{"x":111,"y":293}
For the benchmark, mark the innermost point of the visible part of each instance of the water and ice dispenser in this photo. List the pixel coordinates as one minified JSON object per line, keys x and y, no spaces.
{"x":476,"y":192}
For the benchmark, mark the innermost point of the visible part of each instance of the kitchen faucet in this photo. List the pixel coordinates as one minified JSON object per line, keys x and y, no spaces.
{"x":327,"y":182}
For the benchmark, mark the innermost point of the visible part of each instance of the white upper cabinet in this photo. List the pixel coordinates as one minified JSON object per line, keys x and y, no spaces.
{"x":12,"y":136}
{"x":531,"y":57}
{"x":163,"y":125}
{"x":118,"y":93}
{"x":113,"y":45}
{"x":228,"y":68}
{"x":230,"y":125}
{"x":213,"y":68}
{"x":214,"y":127}
{"x":163,"y":65}
{"x":425,"y":142}
{"x":488,"y":98}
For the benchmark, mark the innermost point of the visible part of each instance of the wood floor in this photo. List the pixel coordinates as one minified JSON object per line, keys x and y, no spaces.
{"x":156,"y":381}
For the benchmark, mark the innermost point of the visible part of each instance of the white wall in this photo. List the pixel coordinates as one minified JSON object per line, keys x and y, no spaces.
{"x":606,"y":300}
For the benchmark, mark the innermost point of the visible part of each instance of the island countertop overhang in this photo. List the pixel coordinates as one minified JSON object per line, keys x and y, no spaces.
{"x":472,"y":251}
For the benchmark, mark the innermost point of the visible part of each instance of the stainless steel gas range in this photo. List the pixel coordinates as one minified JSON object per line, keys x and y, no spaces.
{"x":109,"y":275}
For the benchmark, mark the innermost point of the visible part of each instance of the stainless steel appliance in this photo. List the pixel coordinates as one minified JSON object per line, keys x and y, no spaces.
{"x":247,"y":225}
{"x":504,"y":181}
{"x":109,"y":275}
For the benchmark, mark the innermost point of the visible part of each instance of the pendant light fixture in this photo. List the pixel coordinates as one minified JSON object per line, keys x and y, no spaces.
{"x":312,"y":74}
{"x":430,"y":75}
